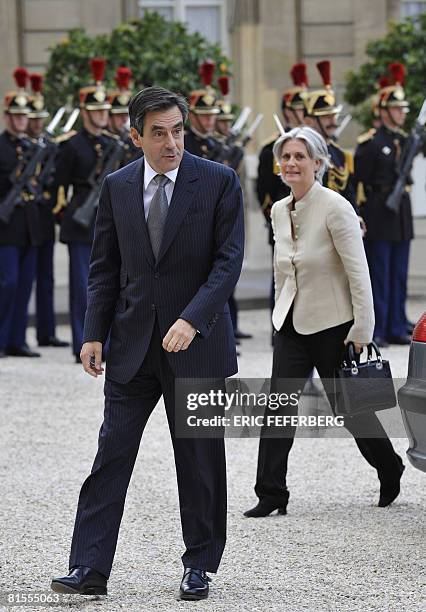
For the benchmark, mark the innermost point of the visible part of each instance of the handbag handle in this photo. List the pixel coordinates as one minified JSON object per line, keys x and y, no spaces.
{"x":350,"y":357}
{"x":379,"y":359}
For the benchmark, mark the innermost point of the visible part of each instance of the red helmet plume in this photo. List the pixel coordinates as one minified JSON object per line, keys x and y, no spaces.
{"x":97,"y":67}
{"x":299,"y":75}
{"x":21,"y":77}
{"x":324,"y":68}
{"x":122,"y":77}
{"x":223,"y":82}
{"x":384,"y":82}
{"x":36,"y":82}
{"x":397,"y":71}
{"x":206,"y":71}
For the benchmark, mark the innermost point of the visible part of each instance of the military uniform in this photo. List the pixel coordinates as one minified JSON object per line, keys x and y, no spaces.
{"x":201,"y":145}
{"x":80,"y":157}
{"x":20,"y":236}
{"x":387,"y":241}
{"x":321,"y":103}
{"x":45,"y":315}
{"x":389,"y":233}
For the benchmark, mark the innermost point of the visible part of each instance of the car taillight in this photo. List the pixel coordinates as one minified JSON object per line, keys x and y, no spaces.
{"x":419,"y":333}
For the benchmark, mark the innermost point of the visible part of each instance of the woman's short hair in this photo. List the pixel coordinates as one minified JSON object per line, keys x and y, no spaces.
{"x":153,"y":99}
{"x":315,"y":145}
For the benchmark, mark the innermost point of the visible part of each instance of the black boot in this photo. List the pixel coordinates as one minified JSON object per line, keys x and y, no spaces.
{"x":390,"y":491}
{"x":266,"y":506}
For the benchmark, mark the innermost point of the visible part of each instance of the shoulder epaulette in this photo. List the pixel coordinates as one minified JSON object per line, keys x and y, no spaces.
{"x":366,"y":136}
{"x":110,"y":135}
{"x":64,"y":137}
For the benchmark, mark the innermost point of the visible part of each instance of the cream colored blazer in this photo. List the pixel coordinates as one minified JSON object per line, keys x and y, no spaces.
{"x":322,"y":268}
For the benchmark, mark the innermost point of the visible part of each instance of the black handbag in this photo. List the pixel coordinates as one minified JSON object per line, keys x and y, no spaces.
{"x":363,"y":387}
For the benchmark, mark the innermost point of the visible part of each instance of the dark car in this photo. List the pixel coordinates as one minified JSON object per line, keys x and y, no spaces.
{"x":412,"y":397}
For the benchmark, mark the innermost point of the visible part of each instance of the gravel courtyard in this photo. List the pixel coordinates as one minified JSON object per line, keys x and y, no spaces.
{"x":334,"y":551}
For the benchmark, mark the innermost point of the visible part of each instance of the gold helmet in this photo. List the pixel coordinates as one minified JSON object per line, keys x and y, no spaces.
{"x":391,"y":92}
{"x":204,"y":101}
{"x":291,"y":98}
{"x":225,"y":106}
{"x":16,"y":102}
{"x":94,"y":97}
{"x":36,"y":100}
{"x":119,"y":98}
{"x":320,"y":102}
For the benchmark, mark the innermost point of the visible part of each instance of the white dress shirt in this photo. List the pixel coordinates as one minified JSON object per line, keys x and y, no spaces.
{"x":150,"y":186}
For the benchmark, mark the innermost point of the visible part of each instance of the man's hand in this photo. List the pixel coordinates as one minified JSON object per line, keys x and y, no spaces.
{"x":179,"y":336}
{"x":91,"y":358}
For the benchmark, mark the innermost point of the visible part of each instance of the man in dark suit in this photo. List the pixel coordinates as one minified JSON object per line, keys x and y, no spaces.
{"x":167,"y":253}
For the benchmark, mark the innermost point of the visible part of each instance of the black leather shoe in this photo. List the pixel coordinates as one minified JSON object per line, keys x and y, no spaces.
{"x":195,"y":584}
{"x":399,"y":340}
{"x":239,"y":335}
{"x":21,"y":351}
{"x":265,"y":507}
{"x":381,"y":342}
{"x":53,"y":341}
{"x":81,"y":580}
{"x":388,"y":493}
{"x":77,"y":359}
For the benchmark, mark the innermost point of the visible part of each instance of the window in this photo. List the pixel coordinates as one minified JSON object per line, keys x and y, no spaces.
{"x":208,"y":17}
{"x":410,"y":9}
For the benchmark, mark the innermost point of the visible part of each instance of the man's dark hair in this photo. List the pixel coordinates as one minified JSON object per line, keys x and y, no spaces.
{"x":152,"y":99}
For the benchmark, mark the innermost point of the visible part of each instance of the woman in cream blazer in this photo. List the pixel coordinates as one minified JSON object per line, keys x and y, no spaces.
{"x":323,"y":300}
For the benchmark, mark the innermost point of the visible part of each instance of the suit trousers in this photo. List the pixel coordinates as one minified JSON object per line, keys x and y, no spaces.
{"x":17,"y":272}
{"x":388,"y":265}
{"x":295,"y":356}
{"x":200,"y":466}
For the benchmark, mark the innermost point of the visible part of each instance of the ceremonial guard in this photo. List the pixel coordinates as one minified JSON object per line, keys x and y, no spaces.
{"x":389,"y":232}
{"x":321,"y":112}
{"x":80,"y":163}
{"x":199,"y":139}
{"x":118,"y":123}
{"x":19,"y":220}
{"x":269,"y":186}
{"x":46,"y":335}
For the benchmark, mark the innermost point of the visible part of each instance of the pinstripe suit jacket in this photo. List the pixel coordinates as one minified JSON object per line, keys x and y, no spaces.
{"x":197,"y":269}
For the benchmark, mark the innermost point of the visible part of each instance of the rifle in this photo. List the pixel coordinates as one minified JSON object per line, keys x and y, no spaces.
{"x":22,"y":180}
{"x":224,"y":151}
{"x":279,"y":124}
{"x":411,"y":148}
{"x":110,"y":161}
{"x":237,"y":152}
{"x":345,"y":122}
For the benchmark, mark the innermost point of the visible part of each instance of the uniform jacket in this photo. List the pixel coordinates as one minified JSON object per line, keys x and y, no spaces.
{"x":198,"y":267}
{"x":198,"y":145}
{"x":77,"y":157}
{"x":376,"y":174}
{"x":323,"y":270}
{"x":24,"y":227}
{"x":340,"y":175}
